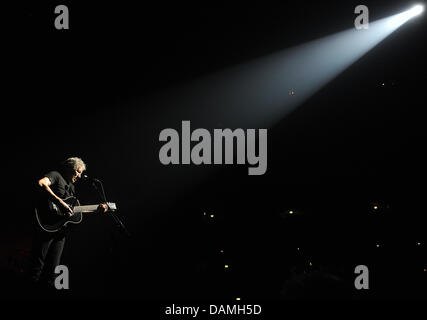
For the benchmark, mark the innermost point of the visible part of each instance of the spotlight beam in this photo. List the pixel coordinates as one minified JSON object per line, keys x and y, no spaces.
{"x":261,"y":92}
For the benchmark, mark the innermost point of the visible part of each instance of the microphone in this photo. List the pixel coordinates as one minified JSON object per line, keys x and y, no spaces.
{"x":86,"y":177}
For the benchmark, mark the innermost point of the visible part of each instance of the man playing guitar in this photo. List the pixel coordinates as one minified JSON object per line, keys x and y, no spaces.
{"x":47,"y":247}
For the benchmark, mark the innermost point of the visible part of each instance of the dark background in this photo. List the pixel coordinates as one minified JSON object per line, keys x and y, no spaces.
{"x":91,"y":92}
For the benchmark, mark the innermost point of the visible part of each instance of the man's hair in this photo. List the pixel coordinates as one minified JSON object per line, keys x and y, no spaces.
{"x":74,"y":163}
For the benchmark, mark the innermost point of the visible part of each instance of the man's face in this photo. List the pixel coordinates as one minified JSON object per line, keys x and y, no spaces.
{"x":77,"y":174}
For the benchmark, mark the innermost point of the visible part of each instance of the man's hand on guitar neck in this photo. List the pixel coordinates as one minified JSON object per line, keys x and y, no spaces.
{"x":102,"y":208}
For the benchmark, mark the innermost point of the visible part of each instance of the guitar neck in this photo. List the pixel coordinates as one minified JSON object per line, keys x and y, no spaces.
{"x":94,"y":207}
{"x":89,"y":208}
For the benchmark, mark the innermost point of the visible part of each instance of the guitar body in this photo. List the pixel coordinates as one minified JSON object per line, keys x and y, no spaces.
{"x":52,"y":218}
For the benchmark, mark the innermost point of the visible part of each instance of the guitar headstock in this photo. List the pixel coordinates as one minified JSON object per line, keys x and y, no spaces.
{"x":112,"y":206}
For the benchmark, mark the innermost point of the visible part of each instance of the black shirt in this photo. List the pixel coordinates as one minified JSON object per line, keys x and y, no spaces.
{"x":61,"y":187}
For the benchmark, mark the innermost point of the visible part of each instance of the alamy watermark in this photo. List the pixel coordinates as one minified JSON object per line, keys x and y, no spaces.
{"x":62,"y":281}
{"x":362,"y":280}
{"x":362,"y":20}
{"x":62,"y":20}
{"x":209,"y":150}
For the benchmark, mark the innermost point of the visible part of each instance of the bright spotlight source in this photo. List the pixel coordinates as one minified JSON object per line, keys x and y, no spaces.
{"x":418,"y":9}
{"x":399,"y":19}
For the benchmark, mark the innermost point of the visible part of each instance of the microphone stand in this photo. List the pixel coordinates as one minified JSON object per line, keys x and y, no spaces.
{"x":116,"y":219}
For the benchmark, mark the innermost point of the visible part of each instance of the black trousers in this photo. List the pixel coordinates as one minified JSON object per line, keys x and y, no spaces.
{"x":45,"y":255}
